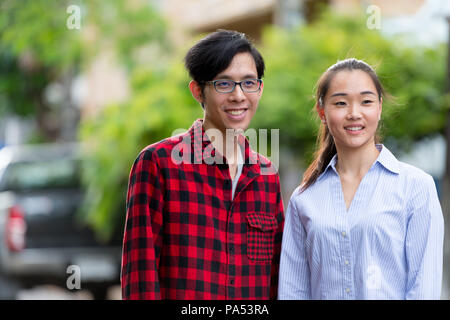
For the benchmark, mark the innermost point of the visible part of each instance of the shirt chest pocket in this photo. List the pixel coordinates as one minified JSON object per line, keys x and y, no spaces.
{"x":260,"y":235}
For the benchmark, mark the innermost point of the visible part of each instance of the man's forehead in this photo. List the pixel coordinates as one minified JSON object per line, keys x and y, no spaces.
{"x":242,"y":65}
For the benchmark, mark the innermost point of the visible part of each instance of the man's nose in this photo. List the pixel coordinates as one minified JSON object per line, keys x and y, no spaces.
{"x":238,"y":94}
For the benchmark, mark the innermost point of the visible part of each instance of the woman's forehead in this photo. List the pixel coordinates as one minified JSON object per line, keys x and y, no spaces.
{"x":350,"y":82}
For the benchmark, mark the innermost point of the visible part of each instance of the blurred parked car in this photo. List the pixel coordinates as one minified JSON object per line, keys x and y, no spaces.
{"x":41,"y":235}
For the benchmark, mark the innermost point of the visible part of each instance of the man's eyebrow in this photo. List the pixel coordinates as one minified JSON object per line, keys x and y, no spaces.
{"x":227,"y":77}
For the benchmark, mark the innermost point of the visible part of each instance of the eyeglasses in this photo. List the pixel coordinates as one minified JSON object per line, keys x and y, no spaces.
{"x":227,"y":86}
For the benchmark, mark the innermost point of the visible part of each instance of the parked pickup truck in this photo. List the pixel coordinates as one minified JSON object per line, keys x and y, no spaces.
{"x":42,"y":239}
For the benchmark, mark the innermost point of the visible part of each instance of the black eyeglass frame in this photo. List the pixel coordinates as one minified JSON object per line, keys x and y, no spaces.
{"x":234,"y":85}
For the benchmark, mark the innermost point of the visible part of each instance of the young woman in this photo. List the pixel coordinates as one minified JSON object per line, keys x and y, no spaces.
{"x":362,"y":225}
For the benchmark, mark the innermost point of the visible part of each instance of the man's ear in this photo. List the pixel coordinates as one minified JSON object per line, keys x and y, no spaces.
{"x":196,"y":91}
{"x":261,"y":88}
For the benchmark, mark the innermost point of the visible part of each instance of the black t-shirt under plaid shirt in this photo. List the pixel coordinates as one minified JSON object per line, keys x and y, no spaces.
{"x":186,"y":238}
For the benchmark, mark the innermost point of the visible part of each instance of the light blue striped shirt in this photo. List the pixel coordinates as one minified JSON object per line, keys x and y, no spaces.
{"x":388,"y":245}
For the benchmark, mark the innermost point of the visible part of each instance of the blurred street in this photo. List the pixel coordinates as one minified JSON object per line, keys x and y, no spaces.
{"x":57,"y":293}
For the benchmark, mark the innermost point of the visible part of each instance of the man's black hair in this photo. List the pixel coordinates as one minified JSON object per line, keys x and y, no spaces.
{"x":213,"y":54}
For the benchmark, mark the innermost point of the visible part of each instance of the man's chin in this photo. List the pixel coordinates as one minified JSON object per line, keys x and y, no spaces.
{"x":237,"y":129}
{"x":242,"y":125}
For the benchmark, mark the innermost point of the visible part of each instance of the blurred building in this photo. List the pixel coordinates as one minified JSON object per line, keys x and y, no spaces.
{"x":200,"y":16}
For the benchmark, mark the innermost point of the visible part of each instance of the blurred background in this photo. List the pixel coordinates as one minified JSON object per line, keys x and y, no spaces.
{"x":85,"y":85}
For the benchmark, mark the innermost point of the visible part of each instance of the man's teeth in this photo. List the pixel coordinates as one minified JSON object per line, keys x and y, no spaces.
{"x":235,"y":112}
{"x":354,"y":128}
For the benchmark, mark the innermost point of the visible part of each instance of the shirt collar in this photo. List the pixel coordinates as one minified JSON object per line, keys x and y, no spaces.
{"x":204,"y":150}
{"x":385,"y":159}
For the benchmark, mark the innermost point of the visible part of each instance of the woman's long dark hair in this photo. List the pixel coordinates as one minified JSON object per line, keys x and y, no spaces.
{"x":326,"y":149}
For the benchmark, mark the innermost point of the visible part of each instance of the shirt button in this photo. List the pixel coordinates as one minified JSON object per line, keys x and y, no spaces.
{"x":346,"y":262}
{"x":347,"y":290}
{"x":231,"y":282}
{"x":344,"y":234}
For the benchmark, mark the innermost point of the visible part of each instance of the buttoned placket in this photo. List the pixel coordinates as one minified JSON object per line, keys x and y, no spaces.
{"x":345,"y":246}
{"x":231,"y":268}
{"x":230,"y":244}
{"x":230,"y":241}
{"x":347,"y":220}
{"x":248,"y":176}
{"x":224,"y":172}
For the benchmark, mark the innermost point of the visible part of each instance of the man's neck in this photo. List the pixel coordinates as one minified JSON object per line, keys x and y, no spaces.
{"x":225,"y":142}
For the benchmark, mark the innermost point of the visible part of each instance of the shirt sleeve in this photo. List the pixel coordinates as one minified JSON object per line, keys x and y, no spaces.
{"x":277,"y":245}
{"x":424,"y":243}
{"x":142,"y":237}
{"x":294,"y":279}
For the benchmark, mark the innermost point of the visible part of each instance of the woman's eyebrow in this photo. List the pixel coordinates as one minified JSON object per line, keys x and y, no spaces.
{"x":367,"y":92}
{"x":338,"y":94}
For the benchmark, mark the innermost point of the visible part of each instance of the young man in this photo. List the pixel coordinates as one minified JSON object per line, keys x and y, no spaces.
{"x":204,"y":211}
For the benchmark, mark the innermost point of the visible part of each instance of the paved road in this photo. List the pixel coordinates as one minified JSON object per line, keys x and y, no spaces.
{"x":57,"y":293}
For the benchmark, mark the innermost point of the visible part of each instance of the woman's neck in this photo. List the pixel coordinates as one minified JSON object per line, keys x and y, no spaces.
{"x":356,"y":162}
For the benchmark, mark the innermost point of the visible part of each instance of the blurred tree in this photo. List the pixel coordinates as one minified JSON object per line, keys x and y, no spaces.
{"x":38,"y":47}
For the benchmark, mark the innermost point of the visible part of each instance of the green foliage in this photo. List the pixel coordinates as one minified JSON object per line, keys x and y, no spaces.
{"x":125,"y":27}
{"x":17,"y":87}
{"x":38,"y":27}
{"x":37,"y":47}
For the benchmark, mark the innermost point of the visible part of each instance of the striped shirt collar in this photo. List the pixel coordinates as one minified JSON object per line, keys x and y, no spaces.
{"x":386,"y":159}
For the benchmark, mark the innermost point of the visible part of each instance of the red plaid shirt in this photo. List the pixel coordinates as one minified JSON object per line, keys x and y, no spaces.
{"x":185,"y":238}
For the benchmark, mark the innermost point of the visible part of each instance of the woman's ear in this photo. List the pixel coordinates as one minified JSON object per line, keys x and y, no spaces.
{"x":381,"y":108}
{"x":320,"y":112}
{"x":196,"y":91}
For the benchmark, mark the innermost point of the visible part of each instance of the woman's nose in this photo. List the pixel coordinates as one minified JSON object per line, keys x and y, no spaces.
{"x":354,"y":112}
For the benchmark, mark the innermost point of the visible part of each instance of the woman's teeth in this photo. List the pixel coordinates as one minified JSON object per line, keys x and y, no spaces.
{"x":354,"y":128}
